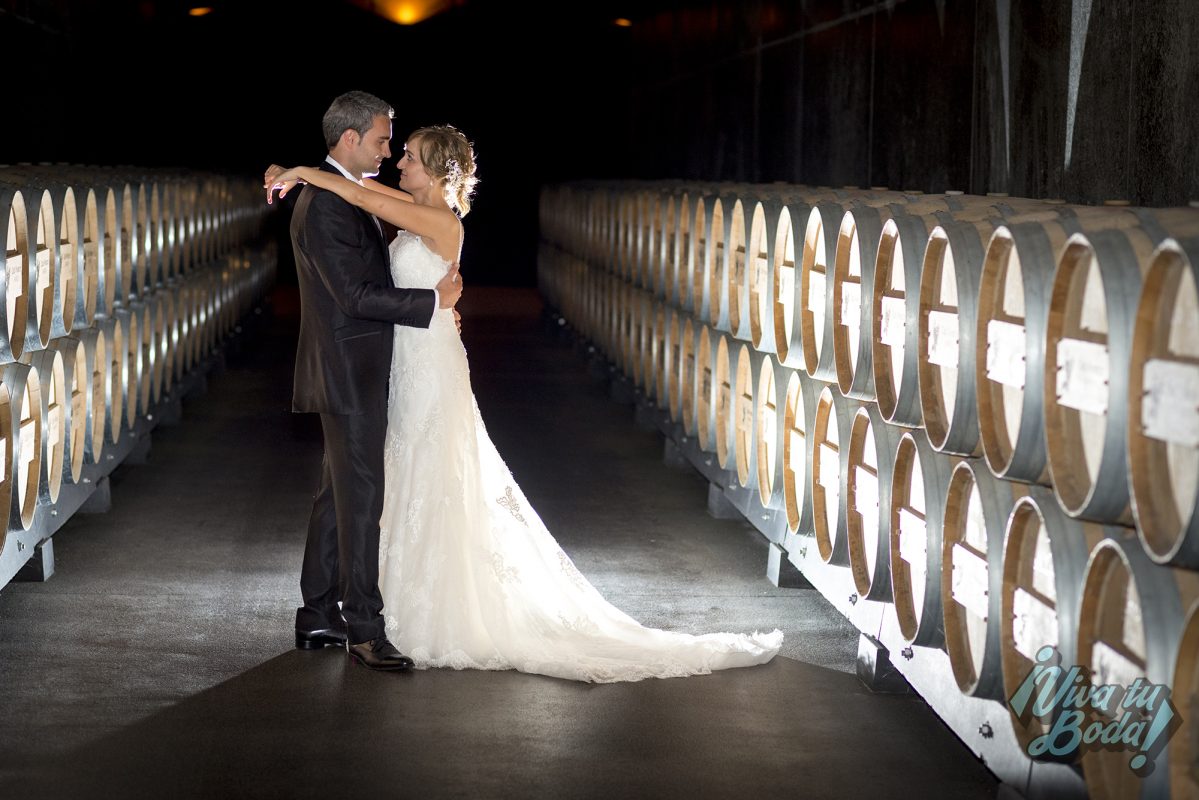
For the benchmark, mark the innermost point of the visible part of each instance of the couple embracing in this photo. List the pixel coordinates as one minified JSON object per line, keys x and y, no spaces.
{"x":420,"y":539}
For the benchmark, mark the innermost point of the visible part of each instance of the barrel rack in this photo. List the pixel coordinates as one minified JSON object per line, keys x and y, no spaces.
{"x":123,"y":288}
{"x":970,"y":422}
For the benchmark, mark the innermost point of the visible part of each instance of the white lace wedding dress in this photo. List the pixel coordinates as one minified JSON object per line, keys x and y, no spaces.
{"x":470,"y":576}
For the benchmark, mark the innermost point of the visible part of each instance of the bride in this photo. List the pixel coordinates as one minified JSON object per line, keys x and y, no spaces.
{"x":470,"y":576}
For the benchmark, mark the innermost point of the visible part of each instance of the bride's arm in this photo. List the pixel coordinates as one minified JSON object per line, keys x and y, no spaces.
{"x":398,"y":194}
{"x":431,"y":223}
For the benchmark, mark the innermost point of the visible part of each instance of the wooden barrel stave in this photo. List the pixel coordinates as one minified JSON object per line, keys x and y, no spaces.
{"x":852,"y":300}
{"x":785,"y":265}
{"x":769,"y":426}
{"x":706,"y":348}
{"x":52,"y":400}
{"x":74,"y":404}
{"x":868,"y":479}
{"x":759,"y":274}
{"x":816,"y":289}
{"x":744,"y":410}
{"x":799,"y":413}
{"x":25,"y":424}
{"x":830,"y":436}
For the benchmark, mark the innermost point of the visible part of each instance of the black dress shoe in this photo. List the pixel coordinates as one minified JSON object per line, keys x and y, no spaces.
{"x":315,"y":640}
{"x":379,"y":654}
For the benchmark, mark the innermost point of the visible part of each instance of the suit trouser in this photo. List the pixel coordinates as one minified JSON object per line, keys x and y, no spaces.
{"x":341,"y":559}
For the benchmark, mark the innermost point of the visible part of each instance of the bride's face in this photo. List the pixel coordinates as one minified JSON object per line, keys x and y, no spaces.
{"x":413,"y":177}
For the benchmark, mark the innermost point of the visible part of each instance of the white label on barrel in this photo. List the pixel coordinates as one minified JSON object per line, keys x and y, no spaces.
{"x":760,"y":271}
{"x":1170,"y":408}
{"x":1034,"y":624}
{"x":1082,"y":372}
{"x":1006,"y":343}
{"x":1110,"y":666}
{"x":943,"y":338}
{"x":91,"y":253}
{"x":768,"y":422}
{"x":830,"y":465}
{"x":16,"y":268}
{"x":66,"y":252}
{"x":53,"y":421}
{"x":797,"y":458}
{"x":969,"y":580}
{"x":913,"y":537}
{"x":786,"y":283}
{"x":893,"y":326}
{"x":78,"y":406}
{"x":707,"y":383}
{"x":747,"y":413}
{"x":45,"y":272}
{"x":865,"y":487}
{"x":816,"y":292}
{"x":28,"y":431}
{"x":851,"y":304}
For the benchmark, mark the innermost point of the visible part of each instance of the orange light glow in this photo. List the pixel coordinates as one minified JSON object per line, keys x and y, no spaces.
{"x":199,"y":11}
{"x":410,"y":12}
{"x":623,"y":23}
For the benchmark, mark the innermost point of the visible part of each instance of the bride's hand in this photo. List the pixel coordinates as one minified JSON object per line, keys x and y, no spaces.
{"x":277,"y":177}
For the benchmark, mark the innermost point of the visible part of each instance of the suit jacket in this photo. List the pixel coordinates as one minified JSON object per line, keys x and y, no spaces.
{"x":348,"y":306}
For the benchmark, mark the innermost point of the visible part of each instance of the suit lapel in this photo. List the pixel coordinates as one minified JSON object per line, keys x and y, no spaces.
{"x":369,"y":221}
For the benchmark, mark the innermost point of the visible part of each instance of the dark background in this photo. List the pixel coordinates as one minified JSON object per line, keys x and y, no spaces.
{"x":930,"y":95}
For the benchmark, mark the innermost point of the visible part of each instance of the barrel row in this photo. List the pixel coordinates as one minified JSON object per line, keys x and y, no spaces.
{"x":1060,"y":343}
{"x":990,"y":567}
{"x":83,"y":242}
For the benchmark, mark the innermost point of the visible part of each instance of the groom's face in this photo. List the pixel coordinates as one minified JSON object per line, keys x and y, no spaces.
{"x":373,"y":148}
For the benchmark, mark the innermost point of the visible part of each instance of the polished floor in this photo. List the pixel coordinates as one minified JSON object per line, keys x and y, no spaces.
{"x":158,"y":661}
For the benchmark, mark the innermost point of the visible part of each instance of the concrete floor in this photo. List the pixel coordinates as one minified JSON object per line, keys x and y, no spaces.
{"x":158,"y":660}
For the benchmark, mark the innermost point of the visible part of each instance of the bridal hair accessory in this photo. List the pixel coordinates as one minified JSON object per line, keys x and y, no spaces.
{"x":453,"y":172}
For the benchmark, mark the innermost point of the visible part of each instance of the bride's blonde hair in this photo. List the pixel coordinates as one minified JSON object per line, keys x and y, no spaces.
{"x":446,"y":153}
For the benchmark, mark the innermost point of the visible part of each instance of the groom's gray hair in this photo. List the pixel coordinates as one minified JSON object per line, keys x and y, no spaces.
{"x":353,"y":111}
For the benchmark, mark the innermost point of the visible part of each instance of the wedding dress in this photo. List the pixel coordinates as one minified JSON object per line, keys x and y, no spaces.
{"x":470,"y":576}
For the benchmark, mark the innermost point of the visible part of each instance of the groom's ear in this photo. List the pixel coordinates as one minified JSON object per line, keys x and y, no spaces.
{"x":349,"y":137}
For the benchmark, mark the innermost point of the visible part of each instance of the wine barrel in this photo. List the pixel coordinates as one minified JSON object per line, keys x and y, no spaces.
{"x":7,"y":458}
{"x":1130,"y":624}
{"x":976,"y":511}
{"x":947,"y":320}
{"x":625,"y":216}
{"x":168,"y":188}
{"x":770,"y":429}
{"x":1013,"y":311}
{"x":852,"y":301}
{"x":74,"y":404}
{"x":785,"y":290}
{"x":707,"y":254}
{"x":32,"y":272}
{"x":816,"y":289}
{"x":25,"y":422}
{"x":799,"y":413}
{"x":658,"y":354}
{"x":135,"y":392}
{"x":868,"y":478}
{"x":91,"y":260}
{"x":744,"y":408}
{"x":95,"y":349}
{"x":919,"y":486}
{"x":666,"y":244}
{"x":153,"y":337}
{"x":729,"y":357}
{"x":734,"y":297}
{"x":759,"y":275}
{"x":114,"y":331}
{"x":68,"y":259}
{"x":14,"y":218}
{"x":1088,"y":343}
{"x":1044,"y":557}
{"x":52,"y":400}
{"x":1163,"y":416}
{"x":830,"y":458}
{"x":706,"y":348}
{"x":648,"y":263}
{"x":685,"y":373}
{"x":1184,"y":744}
{"x":671,"y":398}
{"x":678,"y":290}
{"x":895,"y":319}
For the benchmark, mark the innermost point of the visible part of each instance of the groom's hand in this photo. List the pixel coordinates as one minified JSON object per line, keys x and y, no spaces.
{"x":449,"y":289}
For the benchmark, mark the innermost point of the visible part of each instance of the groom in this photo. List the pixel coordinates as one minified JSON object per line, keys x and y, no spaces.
{"x":343,"y":359}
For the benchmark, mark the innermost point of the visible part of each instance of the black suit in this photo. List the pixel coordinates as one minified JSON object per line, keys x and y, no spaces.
{"x":343,"y":360}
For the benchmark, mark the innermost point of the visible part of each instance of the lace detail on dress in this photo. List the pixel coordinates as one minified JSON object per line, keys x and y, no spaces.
{"x":470,"y":576}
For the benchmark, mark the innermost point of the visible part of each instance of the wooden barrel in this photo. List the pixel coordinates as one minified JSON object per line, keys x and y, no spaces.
{"x":648,"y":262}
{"x":638,"y":330}
{"x":670,"y":397}
{"x":68,"y":260}
{"x":769,"y":431}
{"x":53,"y":399}
{"x":1130,"y":625}
{"x":678,"y":290}
{"x":95,"y":349}
{"x":744,"y":423}
{"x":14,"y":218}
{"x":852,"y":301}
{"x":799,"y":413}
{"x":1088,"y":344}
{"x":706,"y":348}
{"x":7,"y":458}
{"x":725,"y":401}
{"x":708,"y":215}
{"x":947,"y":320}
{"x":168,"y":188}
{"x":919,"y":486}
{"x":1163,"y":416}
{"x":816,"y":289}
{"x":868,"y":478}
{"x":114,"y":377}
{"x":1184,"y":744}
{"x":132,"y":259}
{"x":91,"y":259}
{"x":25,"y":423}
{"x":976,"y":511}
{"x":39,"y":263}
{"x":685,"y":373}
{"x":1045,"y":556}
{"x":626,"y":205}
{"x":830,"y":458}
{"x":153,"y":334}
{"x":785,"y":290}
{"x":759,"y":260}
{"x":734,"y":294}
{"x":135,"y":390}
{"x":1013,"y":311}
{"x":895,"y":319}
{"x":665,"y":244}
{"x":655,"y":380}
{"x":74,"y":404}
